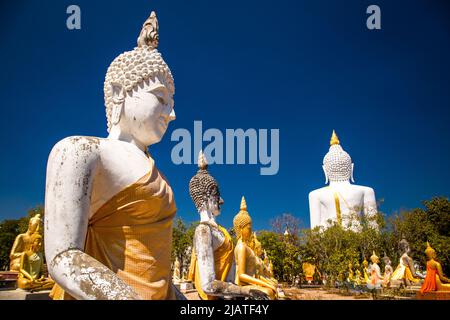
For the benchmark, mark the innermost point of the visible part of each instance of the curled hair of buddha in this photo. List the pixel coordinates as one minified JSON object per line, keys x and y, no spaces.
{"x":337,"y":163}
{"x":241,"y":219}
{"x":133,"y":67}
{"x":202,"y":185}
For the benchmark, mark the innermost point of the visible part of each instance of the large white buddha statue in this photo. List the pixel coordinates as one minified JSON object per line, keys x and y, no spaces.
{"x":341,"y":201}
{"x":108,"y":210}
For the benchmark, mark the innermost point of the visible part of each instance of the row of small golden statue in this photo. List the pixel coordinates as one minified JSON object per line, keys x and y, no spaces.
{"x":405,"y":273}
{"x":27,"y":259}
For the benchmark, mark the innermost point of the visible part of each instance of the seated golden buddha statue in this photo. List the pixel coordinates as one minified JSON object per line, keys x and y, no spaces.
{"x":22,"y":242}
{"x":245,"y":257}
{"x":351,"y":275}
{"x":365,"y":264}
{"x":31,"y":267}
{"x":358,"y":279}
{"x":262,"y":270}
{"x":435,"y":279}
{"x":405,"y":270}
{"x":309,"y":270}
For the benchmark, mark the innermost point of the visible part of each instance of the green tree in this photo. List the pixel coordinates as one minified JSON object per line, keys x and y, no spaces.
{"x":182,"y":239}
{"x":9,"y":229}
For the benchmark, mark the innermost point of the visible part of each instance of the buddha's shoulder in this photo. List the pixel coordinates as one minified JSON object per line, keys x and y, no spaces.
{"x":202,"y":230}
{"x":319,"y":192}
{"x":90,"y":146}
{"x":77,"y":143}
{"x":77,"y":149}
{"x":365,"y":189}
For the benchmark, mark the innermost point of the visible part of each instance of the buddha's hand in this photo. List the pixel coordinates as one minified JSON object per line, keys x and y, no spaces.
{"x":255,"y":294}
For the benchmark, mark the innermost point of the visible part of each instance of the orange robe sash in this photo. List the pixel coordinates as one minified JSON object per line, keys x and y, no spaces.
{"x":131,"y":234}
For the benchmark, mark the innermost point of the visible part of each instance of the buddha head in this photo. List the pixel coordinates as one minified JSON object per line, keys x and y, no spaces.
{"x":365,"y":263}
{"x":430,"y":252}
{"x":139,"y":89}
{"x":386,"y":260}
{"x":403,"y":246}
{"x":36,"y":242}
{"x":374,"y":258}
{"x":337,"y":164}
{"x":204,"y":189}
{"x":242,"y":223}
{"x":34,"y":224}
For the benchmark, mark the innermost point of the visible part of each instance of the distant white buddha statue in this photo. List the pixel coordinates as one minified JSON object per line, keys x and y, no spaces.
{"x":341,"y":201}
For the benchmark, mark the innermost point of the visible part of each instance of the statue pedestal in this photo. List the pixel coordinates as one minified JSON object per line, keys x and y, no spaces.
{"x":19,"y":294}
{"x":8,"y":279}
{"x":186,"y":286}
{"x":434,"y":295}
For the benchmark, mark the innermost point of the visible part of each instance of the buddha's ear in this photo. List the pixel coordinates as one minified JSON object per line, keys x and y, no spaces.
{"x":353,"y":180}
{"x":118,"y":98}
{"x":326,"y":175}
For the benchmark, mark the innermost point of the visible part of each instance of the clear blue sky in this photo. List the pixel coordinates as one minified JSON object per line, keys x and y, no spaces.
{"x":305,"y":67}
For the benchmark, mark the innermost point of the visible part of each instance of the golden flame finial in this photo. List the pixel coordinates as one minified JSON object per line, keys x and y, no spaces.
{"x":334,"y":139}
{"x":243,"y":204}
{"x":149,"y":35}
{"x":202,"y":163}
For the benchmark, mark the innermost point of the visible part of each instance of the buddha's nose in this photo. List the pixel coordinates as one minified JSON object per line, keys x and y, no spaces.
{"x":221,"y":202}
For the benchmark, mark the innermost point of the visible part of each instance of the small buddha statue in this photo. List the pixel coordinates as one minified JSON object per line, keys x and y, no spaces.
{"x":435,"y":279}
{"x":366,"y":272}
{"x":351,"y":276}
{"x":22,"y":242}
{"x":108,"y":209}
{"x":262,"y":270}
{"x":176,"y":278}
{"x":341,"y":201}
{"x":376,"y":278}
{"x":31,"y":276}
{"x":245,"y":257}
{"x":358,"y":279}
{"x":309,"y":270}
{"x":387,"y":271}
{"x":405,"y":271}
{"x":212,"y":265}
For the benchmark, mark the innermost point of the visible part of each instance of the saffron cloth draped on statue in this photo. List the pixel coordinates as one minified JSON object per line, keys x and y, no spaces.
{"x":129,"y":234}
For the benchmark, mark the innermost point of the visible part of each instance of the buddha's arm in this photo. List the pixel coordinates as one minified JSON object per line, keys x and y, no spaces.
{"x":314,"y":209}
{"x":17,"y":244}
{"x":22,"y":270}
{"x":241,"y":271}
{"x":205,"y":259}
{"x":441,"y":273}
{"x":70,"y":172}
